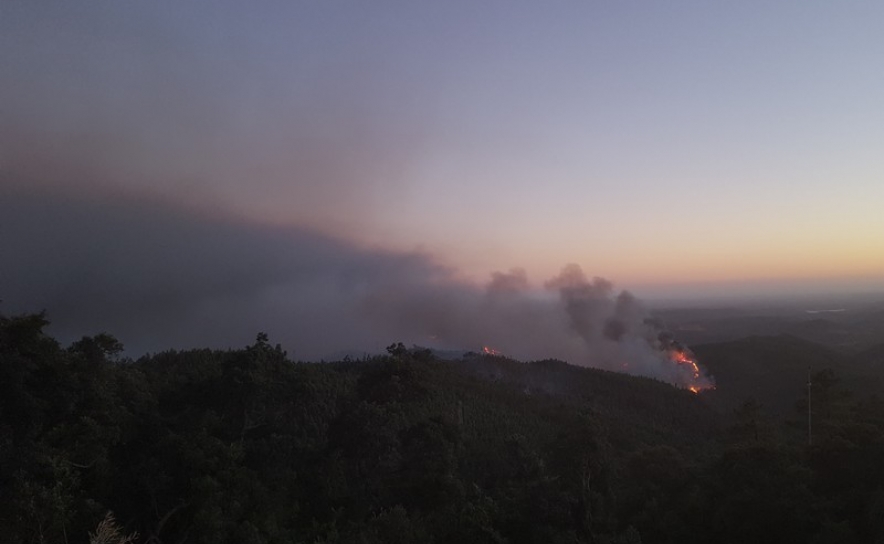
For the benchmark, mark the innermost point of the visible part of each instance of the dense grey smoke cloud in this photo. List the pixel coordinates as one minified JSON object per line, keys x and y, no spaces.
{"x":133,"y":149}
{"x":581,"y":321}
{"x":160,"y":275}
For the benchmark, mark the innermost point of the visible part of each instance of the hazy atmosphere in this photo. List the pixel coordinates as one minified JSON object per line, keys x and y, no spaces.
{"x":436,"y":272}
{"x":342,"y":175}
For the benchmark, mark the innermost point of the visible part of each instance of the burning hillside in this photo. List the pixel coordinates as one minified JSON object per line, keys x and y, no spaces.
{"x":684,"y":369}
{"x":574,"y":319}
{"x":694,"y":378}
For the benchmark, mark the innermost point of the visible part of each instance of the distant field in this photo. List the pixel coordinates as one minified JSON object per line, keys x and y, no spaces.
{"x":847,"y":324}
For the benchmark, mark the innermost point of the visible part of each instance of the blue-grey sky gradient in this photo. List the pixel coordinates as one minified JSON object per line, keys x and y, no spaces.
{"x":665,"y":145}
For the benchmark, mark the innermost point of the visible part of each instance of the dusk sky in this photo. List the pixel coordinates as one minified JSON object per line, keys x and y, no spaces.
{"x":671,"y":147}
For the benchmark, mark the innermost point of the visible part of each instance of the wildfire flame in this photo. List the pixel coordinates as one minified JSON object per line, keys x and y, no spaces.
{"x":490,"y":351}
{"x":698,"y":381}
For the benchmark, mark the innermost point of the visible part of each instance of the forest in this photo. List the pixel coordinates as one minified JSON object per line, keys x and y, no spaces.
{"x":247,"y":446}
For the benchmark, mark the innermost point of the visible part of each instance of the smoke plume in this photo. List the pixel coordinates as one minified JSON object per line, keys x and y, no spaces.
{"x":581,"y":321}
{"x":178,"y":187}
{"x":160,"y":275}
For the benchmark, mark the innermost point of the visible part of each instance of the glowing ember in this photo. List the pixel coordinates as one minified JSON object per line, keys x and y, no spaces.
{"x":490,"y":351}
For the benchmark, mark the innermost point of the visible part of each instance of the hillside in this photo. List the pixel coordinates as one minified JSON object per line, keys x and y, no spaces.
{"x":247,"y":446}
{"x":773,"y":370}
{"x":871,"y":359}
{"x":856,"y":323}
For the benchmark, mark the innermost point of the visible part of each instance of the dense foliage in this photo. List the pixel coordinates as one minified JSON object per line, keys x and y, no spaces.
{"x":247,"y":446}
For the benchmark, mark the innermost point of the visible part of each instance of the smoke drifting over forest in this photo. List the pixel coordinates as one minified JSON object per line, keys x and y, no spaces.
{"x":160,"y":275}
{"x":587,"y":323}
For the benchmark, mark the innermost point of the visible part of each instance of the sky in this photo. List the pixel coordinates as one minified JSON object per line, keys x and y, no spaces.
{"x":674,"y":148}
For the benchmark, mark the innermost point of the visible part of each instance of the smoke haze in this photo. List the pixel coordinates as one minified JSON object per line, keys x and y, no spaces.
{"x":159,"y":275}
{"x":187,"y":184}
